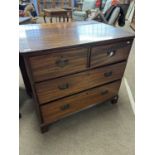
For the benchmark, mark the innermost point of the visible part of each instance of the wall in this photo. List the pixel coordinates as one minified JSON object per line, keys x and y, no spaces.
{"x":130,"y":71}
{"x":129,"y":76}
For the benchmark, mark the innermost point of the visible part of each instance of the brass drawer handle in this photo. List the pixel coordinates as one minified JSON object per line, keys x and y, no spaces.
{"x":104,"y":92}
{"x":65,"y":107}
{"x":62,"y":62}
{"x":108,"y":74}
{"x":128,"y":42}
{"x":63,"y":86}
{"x":111,"y":53}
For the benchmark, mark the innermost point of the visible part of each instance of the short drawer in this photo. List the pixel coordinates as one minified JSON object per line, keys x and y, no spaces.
{"x":61,"y":87}
{"x":106,"y":54}
{"x":58,"y":64}
{"x":58,"y":109}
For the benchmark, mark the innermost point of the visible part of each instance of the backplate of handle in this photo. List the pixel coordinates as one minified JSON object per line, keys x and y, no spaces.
{"x":62,"y":62}
{"x":65,"y":107}
{"x":63,"y":86}
{"x":111,"y":53}
{"x":108,"y":74}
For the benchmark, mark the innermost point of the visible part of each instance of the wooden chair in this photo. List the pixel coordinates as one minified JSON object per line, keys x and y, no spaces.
{"x":61,"y":10}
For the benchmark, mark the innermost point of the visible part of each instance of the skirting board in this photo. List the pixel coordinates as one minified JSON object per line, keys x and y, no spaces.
{"x":132,"y":102}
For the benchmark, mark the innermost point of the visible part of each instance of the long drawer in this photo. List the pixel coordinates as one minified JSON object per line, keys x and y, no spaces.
{"x":106,"y":54}
{"x":61,"y":87}
{"x":58,"y":64}
{"x":63,"y":107}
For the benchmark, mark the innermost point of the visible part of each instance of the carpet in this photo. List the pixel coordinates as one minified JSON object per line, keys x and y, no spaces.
{"x":102,"y":130}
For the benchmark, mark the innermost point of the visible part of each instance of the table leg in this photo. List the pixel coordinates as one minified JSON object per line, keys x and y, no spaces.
{"x":51,"y":19}
{"x":59,"y":19}
{"x":44,"y":17}
{"x":63,"y":18}
{"x":67,"y":19}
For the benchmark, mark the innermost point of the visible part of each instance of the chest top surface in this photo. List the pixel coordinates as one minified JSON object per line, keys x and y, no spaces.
{"x":38,"y":37}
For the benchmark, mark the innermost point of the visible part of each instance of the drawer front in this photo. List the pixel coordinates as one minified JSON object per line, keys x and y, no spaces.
{"x":61,"y":87}
{"x":58,"y":64}
{"x":106,"y":54}
{"x":58,"y":109}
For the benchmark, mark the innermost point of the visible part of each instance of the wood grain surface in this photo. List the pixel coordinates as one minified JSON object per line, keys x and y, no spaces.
{"x":58,"y":109}
{"x":61,"y":87}
{"x":106,"y":54}
{"x":38,"y":37}
{"x":59,"y":63}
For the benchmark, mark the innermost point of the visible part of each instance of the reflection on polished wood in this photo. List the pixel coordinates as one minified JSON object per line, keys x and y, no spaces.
{"x":48,"y":36}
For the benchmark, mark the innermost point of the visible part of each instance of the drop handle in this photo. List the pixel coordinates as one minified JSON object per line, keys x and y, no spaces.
{"x":104,"y":92}
{"x":65,"y":107}
{"x":63,"y":86}
{"x":111,"y":53}
{"x":62,"y":62}
{"x":108,"y":74}
{"x":128,"y":42}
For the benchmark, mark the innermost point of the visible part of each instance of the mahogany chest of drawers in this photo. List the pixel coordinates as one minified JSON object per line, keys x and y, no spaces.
{"x":68,"y":67}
